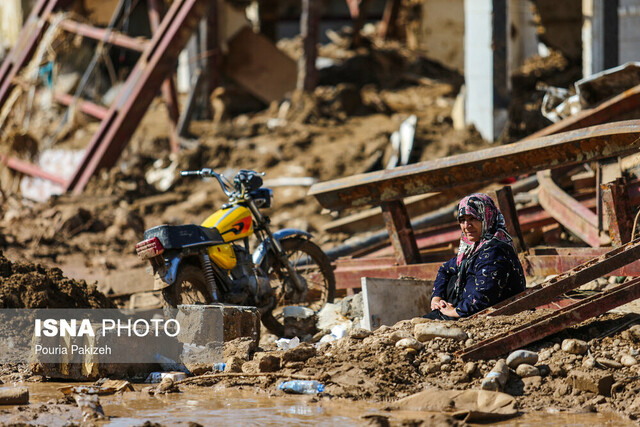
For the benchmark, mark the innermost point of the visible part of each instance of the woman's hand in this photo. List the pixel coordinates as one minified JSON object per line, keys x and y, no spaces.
{"x":438,"y":303}
{"x":449,"y":310}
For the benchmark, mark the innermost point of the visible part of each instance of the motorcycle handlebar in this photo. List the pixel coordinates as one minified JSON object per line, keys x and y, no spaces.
{"x":206,"y":172}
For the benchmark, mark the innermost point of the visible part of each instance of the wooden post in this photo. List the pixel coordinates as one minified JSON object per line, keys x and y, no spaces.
{"x":503,"y":199}
{"x":400,"y":232}
{"x":309,"y":28}
{"x":616,"y":207}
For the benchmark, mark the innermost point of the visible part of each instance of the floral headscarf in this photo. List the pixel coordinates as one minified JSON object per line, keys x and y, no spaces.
{"x":481,"y":207}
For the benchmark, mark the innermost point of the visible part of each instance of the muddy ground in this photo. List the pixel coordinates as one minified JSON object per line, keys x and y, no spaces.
{"x":75,"y":249}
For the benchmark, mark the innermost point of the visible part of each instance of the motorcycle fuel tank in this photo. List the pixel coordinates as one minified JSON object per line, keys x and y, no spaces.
{"x":233,"y":223}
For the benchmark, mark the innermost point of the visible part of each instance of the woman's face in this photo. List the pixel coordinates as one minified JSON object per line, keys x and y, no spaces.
{"x":471,"y":227}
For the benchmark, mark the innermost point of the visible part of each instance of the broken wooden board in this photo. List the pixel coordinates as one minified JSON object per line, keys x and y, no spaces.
{"x":257,"y":65}
{"x":388,"y":301}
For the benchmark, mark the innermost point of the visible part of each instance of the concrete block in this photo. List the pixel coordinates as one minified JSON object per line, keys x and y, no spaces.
{"x":387,"y":301}
{"x":594,"y":381}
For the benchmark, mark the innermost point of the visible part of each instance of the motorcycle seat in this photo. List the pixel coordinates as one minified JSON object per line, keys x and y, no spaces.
{"x":187,"y":235}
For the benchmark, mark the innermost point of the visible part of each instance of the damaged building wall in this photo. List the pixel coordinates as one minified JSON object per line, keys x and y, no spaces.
{"x":442,"y":31}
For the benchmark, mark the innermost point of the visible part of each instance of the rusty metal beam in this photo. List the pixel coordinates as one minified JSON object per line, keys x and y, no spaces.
{"x":30,"y":169}
{"x":488,"y":165}
{"x":546,"y":291}
{"x":155,"y":63}
{"x":503,"y":199}
{"x":568,"y":211}
{"x":35,"y":25}
{"x":108,"y":36}
{"x":400,"y":232}
{"x":554,"y":322}
{"x":618,"y":211}
{"x":87,"y":107}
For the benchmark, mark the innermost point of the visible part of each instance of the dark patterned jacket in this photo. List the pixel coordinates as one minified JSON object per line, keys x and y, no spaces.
{"x":491,"y":275}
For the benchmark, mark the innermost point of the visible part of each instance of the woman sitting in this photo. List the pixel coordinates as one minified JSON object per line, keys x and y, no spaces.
{"x":485,"y":271}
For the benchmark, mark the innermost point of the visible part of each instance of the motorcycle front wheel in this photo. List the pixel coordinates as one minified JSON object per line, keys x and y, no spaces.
{"x":190,"y":287}
{"x":313,"y":266}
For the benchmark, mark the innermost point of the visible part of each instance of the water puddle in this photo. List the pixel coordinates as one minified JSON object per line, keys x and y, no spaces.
{"x":209,"y":406}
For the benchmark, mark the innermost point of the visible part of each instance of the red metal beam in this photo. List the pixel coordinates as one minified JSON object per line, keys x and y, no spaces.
{"x":546,"y":291}
{"x":156,"y":62}
{"x":28,"y":39}
{"x":554,"y":322}
{"x":87,"y":107}
{"x":488,"y":165}
{"x":568,"y":211}
{"x":400,"y":232}
{"x":112,"y":37}
{"x":31,"y":169}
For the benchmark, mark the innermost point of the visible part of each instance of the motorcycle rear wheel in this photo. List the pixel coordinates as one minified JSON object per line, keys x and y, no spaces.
{"x":313,"y":265}
{"x":190,"y":287}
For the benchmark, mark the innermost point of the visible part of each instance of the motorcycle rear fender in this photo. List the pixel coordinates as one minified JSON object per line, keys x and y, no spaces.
{"x":262,"y":249}
{"x":168,"y":273}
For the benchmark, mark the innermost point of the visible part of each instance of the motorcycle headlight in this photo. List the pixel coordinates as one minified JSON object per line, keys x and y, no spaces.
{"x":262,"y":197}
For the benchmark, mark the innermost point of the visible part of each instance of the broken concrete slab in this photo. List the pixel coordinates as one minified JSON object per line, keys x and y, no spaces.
{"x":387,"y":301}
{"x":14,"y":396}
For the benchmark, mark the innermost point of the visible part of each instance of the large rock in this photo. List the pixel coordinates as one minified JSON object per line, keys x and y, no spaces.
{"x":410,"y":343}
{"x":525,"y":371}
{"x":574,"y":346}
{"x":594,"y":381}
{"x":267,"y":362}
{"x":427,"y":331}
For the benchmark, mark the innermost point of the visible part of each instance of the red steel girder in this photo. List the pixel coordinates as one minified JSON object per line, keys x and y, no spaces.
{"x":33,"y":28}
{"x":155,"y":63}
{"x":108,"y":36}
{"x":31,"y":169}
{"x":551,"y":323}
{"x":488,"y":165}
{"x":87,"y":107}
{"x":568,"y":211}
{"x":546,"y":291}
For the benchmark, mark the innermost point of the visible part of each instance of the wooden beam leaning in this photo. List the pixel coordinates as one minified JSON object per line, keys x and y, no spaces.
{"x":488,"y":165}
{"x":554,"y":322}
{"x":546,"y":291}
{"x":568,"y":211}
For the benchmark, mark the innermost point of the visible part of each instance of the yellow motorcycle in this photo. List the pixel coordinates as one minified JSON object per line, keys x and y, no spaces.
{"x":213,"y":263}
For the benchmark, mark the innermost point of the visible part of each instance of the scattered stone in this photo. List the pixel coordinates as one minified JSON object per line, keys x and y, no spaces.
{"x":608,"y":363}
{"x":418,"y":320}
{"x":574,"y":346}
{"x":399,"y":335}
{"x":470,"y":368}
{"x":628,"y":360}
{"x":359,"y":333}
{"x":445,"y":358}
{"x":589,"y":363}
{"x":593,"y":381}
{"x":445,"y":368}
{"x":90,"y":406}
{"x":556,"y":347}
{"x":267,"y":362}
{"x":525,"y":370}
{"x":497,"y":378}
{"x":411,"y":343}
{"x":520,"y":357}
{"x":427,"y":331}
{"x":167,"y":385}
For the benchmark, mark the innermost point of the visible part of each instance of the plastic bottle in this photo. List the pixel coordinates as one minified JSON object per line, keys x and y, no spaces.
{"x":302,"y":387}
{"x":219,"y":366}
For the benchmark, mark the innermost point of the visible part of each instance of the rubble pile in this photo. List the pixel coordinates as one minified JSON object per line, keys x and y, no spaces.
{"x":592,"y":368}
{"x":25,"y":285}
